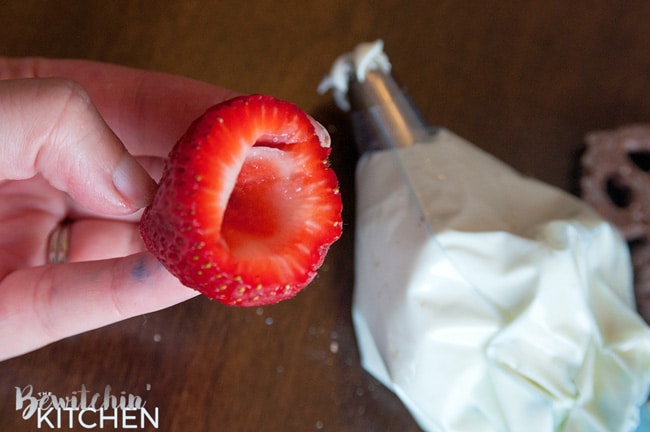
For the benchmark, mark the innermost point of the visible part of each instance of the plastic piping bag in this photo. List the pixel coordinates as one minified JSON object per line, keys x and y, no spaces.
{"x":487,"y":301}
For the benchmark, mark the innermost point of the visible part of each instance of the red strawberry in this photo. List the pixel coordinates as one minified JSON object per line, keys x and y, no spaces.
{"x":247,"y":206}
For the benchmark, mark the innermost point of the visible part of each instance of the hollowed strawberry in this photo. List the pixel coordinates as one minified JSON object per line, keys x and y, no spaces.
{"x":247,"y":206}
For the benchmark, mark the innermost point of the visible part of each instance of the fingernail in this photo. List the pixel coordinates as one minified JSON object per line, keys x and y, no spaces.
{"x":133,"y":182}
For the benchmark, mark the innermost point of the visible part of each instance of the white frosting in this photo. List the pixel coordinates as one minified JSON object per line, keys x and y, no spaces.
{"x":491,"y":302}
{"x":365,"y":57}
{"x":645,"y":418}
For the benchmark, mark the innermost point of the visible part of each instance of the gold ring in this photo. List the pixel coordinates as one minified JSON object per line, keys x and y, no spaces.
{"x":58,"y":243}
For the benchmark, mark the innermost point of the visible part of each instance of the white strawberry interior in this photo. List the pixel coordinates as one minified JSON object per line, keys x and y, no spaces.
{"x":264,"y":204}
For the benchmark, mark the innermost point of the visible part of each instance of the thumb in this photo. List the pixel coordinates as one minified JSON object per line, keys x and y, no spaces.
{"x":51,"y":127}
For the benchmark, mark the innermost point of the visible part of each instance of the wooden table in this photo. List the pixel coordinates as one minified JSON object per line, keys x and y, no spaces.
{"x":523,"y":80}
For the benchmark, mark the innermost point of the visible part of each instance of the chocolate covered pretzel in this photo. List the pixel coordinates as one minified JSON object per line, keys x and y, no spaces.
{"x":616,"y":182}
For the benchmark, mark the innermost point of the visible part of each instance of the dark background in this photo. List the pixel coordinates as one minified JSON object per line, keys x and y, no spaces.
{"x":524,"y":80}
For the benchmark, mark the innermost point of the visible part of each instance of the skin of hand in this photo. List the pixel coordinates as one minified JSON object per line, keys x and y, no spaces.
{"x":84,"y":141}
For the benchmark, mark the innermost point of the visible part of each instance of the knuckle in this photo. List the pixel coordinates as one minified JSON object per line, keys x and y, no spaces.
{"x":43,"y":305}
{"x":66,"y":97}
{"x":69,"y":119}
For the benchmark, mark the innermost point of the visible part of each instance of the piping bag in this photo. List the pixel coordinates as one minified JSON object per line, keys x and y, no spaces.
{"x":486,"y":300}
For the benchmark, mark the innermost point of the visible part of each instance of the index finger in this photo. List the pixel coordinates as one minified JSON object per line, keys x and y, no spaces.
{"x":147,"y":110}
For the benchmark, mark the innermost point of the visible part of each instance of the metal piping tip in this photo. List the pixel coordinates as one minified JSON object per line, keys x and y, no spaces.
{"x":383,"y":116}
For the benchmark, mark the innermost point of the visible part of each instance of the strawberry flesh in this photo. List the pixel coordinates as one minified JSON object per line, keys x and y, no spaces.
{"x":247,"y":206}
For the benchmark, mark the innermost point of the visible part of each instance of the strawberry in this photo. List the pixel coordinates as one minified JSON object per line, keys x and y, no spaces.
{"x":247,"y":206}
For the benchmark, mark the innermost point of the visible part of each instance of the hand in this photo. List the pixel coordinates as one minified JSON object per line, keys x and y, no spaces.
{"x":66,"y":147}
